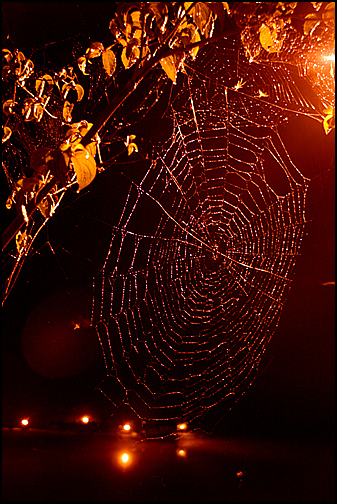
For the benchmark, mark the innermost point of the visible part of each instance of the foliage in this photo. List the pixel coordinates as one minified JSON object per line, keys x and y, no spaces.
{"x":142,"y":28}
{"x":146,"y":36}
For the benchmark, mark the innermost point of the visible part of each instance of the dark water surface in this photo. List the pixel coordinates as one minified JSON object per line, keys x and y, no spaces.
{"x":52,"y":466}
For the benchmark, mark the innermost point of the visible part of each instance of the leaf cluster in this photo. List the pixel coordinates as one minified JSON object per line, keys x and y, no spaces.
{"x":16,"y":65}
{"x":263,"y":25}
{"x":143,"y":29}
{"x":278,"y":31}
{"x":96,"y":50}
{"x":321,"y":22}
{"x":32,"y":94}
{"x":71,"y":163}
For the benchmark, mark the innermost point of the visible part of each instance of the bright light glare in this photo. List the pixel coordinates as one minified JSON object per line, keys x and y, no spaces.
{"x":126,"y":427}
{"x":125,"y":458}
{"x":330,"y":58}
{"x":182,"y":426}
{"x":24,"y":421}
{"x":85,"y":419}
{"x":181,"y":453}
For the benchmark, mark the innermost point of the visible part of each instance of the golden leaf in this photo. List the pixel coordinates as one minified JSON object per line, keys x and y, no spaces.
{"x":135,"y":24}
{"x":26,"y":67}
{"x":109,"y":61}
{"x":80,"y":91}
{"x":84,"y":165}
{"x":9,"y":203}
{"x":8,"y":107}
{"x":95,"y":50}
{"x":20,"y":241}
{"x":226,"y":7}
{"x":67,"y":110}
{"x":42,"y":81}
{"x":329,"y":119}
{"x":329,"y":15}
{"x":329,"y":11}
{"x":160,"y":11}
{"x":311,"y":22}
{"x":83,"y":127}
{"x":65,"y":90}
{"x":45,"y":207}
{"x":7,"y":55}
{"x":28,"y":109}
{"x":7,"y":134}
{"x":38,"y":110}
{"x":268,"y":39}
{"x":129,"y":56}
{"x":169,"y":67}
{"x":82,"y":64}
{"x":201,"y":17}
{"x":131,"y":146}
{"x":6,"y":71}
{"x":21,"y":60}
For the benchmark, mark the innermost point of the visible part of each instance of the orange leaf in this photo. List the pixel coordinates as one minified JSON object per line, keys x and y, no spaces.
{"x":82,"y":63}
{"x":7,"y":134}
{"x":130,"y":54}
{"x":67,"y":110}
{"x":109,"y":61}
{"x":95,"y":50}
{"x":169,"y":68}
{"x":84,"y":165}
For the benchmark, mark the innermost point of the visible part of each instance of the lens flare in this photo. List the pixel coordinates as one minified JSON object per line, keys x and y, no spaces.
{"x":127,"y":427}
{"x":85,"y":419}
{"x":125,"y":458}
{"x":24,"y":421}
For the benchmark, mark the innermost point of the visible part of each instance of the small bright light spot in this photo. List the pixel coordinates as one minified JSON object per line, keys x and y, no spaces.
{"x":239,"y":475}
{"x":125,"y":458}
{"x":126,"y":427}
{"x":85,"y":419}
{"x":181,"y":453}
{"x":330,"y":58}
{"x":24,"y":421}
{"x":182,"y":426}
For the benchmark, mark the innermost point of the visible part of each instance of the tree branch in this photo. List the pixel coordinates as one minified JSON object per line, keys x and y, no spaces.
{"x":103,"y":118}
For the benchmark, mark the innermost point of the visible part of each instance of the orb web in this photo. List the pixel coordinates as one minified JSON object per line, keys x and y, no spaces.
{"x":201,"y":256}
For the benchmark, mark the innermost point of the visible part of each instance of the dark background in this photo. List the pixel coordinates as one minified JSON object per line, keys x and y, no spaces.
{"x":293,"y":397}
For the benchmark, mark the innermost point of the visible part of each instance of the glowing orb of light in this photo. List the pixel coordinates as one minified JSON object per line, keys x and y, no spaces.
{"x":127,"y":427}
{"x":125,"y":458}
{"x":181,"y":453}
{"x":24,"y":421}
{"x":85,"y":419}
{"x":182,"y":426}
{"x":57,"y":339}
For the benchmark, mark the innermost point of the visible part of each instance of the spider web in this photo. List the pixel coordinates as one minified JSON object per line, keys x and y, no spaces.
{"x":201,"y":255}
{"x":200,"y":261}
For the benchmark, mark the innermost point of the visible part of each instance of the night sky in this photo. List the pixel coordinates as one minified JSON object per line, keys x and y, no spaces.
{"x":294,"y":396}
